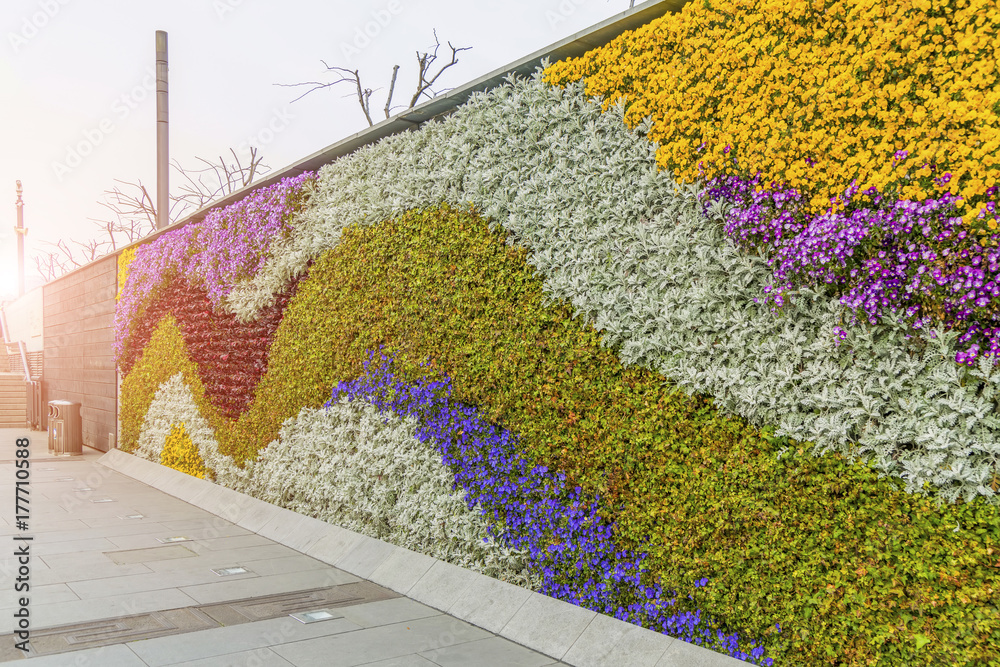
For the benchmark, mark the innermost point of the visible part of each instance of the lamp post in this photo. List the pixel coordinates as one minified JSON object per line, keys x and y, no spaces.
{"x":162,"y":144}
{"x":21,"y":231}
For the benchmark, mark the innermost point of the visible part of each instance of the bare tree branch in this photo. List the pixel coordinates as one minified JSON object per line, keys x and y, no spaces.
{"x":425,"y":62}
{"x":131,"y":204}
{"x":213,"y":181}
{"x":54,"y":263}
{"x":392,"y":86}
{"x":319,"y":85}
{"x":48,"y":266}
{"x":92,"y":249}
{"x":134,"y":211}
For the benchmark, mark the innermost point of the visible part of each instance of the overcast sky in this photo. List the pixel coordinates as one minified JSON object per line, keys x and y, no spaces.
{"x":77,"y":83}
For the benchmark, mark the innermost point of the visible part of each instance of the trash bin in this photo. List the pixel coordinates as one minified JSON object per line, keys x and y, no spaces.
{"x":65,"y":429}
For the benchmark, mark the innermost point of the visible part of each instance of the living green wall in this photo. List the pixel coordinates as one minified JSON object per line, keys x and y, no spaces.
{"x":819,"y":484}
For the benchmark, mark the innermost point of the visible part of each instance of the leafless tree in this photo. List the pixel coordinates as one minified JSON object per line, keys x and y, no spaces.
{"x":133,"y":210}
{"x":215,"y":180}
{"x":425,"y":80}
{"x":50,"y":266}
{"x":64,"y":258}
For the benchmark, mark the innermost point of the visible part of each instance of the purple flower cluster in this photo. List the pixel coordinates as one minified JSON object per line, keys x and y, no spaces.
{"x":153,"y":264}
{"x":228,"y":245}
{"x":879,"y":252}
{"x":234,"y":241}
{"x":568,"y":542}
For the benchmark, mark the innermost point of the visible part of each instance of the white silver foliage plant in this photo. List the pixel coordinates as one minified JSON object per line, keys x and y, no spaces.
{"x":354,"y":467}
{"x":633,"y":252}
{"x":172,"y":405}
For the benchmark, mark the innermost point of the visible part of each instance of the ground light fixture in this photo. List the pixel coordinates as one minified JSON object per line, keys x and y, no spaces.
{"x":313,"y":616}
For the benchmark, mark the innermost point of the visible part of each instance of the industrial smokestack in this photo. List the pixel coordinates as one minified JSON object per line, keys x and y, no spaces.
{"x":162,"y":142}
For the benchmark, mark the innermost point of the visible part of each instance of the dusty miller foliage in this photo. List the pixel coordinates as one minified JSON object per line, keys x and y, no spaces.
{"x":353,"y":467}
{"x":632,"y":251}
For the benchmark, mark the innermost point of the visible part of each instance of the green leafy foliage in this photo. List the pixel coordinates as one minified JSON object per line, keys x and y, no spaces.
{"x":634,"y":252}
{"x":854,"y":570}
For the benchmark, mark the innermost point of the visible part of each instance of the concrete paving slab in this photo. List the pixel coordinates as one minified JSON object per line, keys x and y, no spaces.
{"x":187,"y":488}
{"x":110,"y":532}
{"x":143,"y":540}
{"x":234,"y":542}
{"x":207,"y":558}
{"x":608,"y":642}
{"x":209,"y":527}
{"x":63,"y":613}
{"x":365,"y":557}
{"x":296,"y":530}
{"x":220,"y":641}
{"x":52,"y":593}
{"x":334,"y":544}
{"x":43,"y":549}
{"x":93,"y":572}
{"x":82,"y":560}
{"x":442,"y":585}
{"x":257,"y":514}
{"x":49,"y":526}
{"x":49,"y":512}
{"x":114,"y":520}
{"x":116,"y":459}
{"x":224,"y":502}
{"x":261,"y":657}
{"x":148,"y":582}
{"x":83,"y":509}
{"x":136,"y":468}
{"x":489,"y":651}
{"x":380,"y":643}
{"x":402,"y":569}
{"x":151,"y":554}
{"x":683,"y":654}
{"x":161,"y":511}
{"x":206,"y":544}
{"x":116,"y":655}
{"x":285,"y":565}
{"x":386,"y":612}
{"x":404,"y":661}
{"x":282,"y":583}
{"x":489,"y":603}
{"x":548,"y":625}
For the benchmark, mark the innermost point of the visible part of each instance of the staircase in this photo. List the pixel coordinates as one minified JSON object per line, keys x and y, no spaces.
{"x":13,"y":401}
{"x":13,"y":386}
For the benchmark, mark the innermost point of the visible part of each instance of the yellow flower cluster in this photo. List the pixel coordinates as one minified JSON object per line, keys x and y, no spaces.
{"x":815,"y":93}
{"x":125,"y":258}
{"x":180,"y":453}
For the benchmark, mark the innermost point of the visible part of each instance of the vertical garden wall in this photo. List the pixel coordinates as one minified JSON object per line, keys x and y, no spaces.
{"x":714,"y":356}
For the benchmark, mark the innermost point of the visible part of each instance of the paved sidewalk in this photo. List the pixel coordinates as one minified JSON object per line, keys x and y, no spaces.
{"x":122,"y":573}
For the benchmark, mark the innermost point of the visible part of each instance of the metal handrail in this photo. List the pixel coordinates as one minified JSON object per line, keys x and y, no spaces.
{"x":20,"y":346}
{"x":23,"y":349}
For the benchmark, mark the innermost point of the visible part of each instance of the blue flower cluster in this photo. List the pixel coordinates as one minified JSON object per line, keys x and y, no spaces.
{"x":568,"y":542}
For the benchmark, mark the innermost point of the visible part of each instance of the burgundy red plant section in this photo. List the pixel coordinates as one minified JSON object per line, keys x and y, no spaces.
{"x":231,"y":356}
